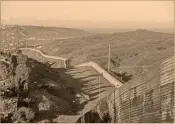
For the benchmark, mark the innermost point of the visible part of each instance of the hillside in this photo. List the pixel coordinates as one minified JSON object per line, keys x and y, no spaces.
{"x":32,"y":91}
{"x":32,"y":88}
{"x":58,"y":32}
{"x":38,"y":35}
{"x":131,"y":49}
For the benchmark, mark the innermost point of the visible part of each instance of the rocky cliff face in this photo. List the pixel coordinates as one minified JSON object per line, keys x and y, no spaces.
{"x":28,"y":91}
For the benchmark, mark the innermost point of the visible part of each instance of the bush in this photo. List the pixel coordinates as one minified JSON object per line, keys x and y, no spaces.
{"x":3,"y":70}
{"x":23,"y":114}
{"x":21,"y":59}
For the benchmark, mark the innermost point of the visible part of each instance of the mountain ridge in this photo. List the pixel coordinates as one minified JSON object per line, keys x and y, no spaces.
{"x":56,"y":30}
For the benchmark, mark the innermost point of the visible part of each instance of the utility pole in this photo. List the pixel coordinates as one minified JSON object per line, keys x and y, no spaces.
{"x":109,"y":57}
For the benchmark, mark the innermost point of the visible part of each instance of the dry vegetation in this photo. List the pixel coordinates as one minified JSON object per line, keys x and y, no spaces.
{"x":34,"y":92}
{"x":36,"y":35}
{"x":31,"y":91}
{"x":133,"y":48}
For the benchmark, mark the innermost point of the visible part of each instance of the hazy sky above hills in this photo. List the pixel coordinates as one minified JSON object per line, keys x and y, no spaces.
{"x":90,"y":14}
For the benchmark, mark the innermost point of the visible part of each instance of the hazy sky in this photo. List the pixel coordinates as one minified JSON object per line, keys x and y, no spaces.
{"x":90,"y":14}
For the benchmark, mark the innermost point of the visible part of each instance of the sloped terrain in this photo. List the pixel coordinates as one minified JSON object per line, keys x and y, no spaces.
{"x":129,"y":49}
{"x":45,"y":94}
{"x":127,"y":45}
{"x":25,"y":89}
{"x":85,"y":82}
{"x":37,"y":35}
{"x":60,"y":32}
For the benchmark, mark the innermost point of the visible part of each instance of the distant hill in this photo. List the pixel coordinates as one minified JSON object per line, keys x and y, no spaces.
{"x":113,"y":30}
{"x":40,"y":31}
{"x":60,"y":32}
{"x":125,"y":45}
{"x":44,"y":35}
{"x":133,"y":48}
{"x":39,"y":35}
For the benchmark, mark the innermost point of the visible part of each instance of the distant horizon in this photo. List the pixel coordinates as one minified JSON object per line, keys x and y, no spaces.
{"x":38,"y":25}
{"x":90,"y":14}
{"x":92,"y":24}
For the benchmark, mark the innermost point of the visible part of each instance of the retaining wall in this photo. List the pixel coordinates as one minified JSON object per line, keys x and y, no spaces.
{"x":59,"y":62}
{"x":64,"y":62}
{"x":109,"y":77}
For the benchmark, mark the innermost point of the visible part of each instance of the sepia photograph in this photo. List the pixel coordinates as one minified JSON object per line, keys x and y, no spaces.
{"x":87,"y":61}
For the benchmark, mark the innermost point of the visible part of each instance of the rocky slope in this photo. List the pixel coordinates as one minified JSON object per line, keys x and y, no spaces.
{"x":30,"y":89}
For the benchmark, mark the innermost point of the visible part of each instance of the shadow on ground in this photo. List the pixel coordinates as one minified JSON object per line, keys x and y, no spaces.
{"x":77,"y":86}
{"x":83,"y":81}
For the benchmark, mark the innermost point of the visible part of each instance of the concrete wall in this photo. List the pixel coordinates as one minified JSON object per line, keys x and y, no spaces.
{"x":64,"y":62}
{"x":140,"y":101}
{"x":59,"y":62}
{"x":109,"y":77}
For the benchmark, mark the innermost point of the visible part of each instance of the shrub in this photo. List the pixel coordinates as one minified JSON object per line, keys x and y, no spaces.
{"x":3,"y":70}
{"x":23,"y":114}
